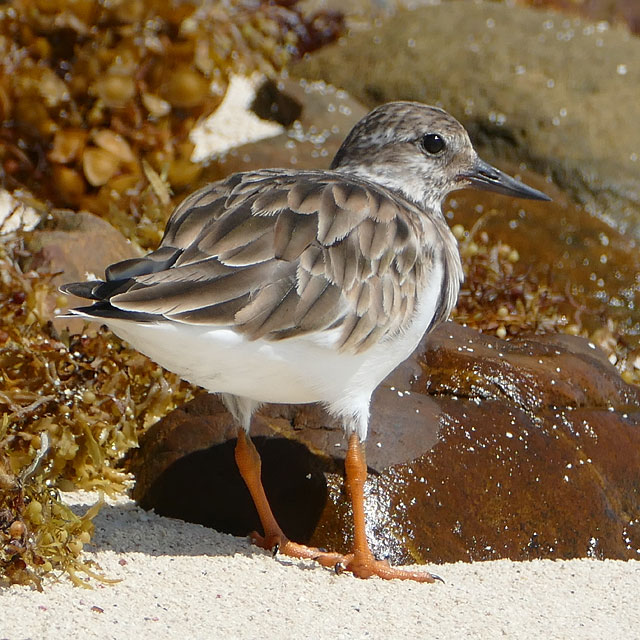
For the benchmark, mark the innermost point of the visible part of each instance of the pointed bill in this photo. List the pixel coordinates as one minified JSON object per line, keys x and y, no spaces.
{"x":484,"y":176}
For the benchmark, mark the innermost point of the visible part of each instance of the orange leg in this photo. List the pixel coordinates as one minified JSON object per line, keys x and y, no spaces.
{"x":250,"y":466}
{"x":361,"y":562}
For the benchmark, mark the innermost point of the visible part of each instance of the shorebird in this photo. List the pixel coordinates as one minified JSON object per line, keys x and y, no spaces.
{"x":299,"y":286}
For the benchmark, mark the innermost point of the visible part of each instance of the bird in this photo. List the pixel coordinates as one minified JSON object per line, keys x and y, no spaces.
{"x":307,"y":286}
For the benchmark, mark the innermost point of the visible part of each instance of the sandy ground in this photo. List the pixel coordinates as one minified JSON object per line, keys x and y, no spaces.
{"x":179,"y":580}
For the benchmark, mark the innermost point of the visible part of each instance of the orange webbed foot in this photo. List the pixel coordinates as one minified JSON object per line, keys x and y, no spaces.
{"x":279,"y":544}
{"x":360,"y":565}
{"x":364,"y":566}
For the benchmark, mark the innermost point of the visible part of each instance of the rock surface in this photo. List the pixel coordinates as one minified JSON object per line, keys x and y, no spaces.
{"x":614,"y":11}
{"x":591,"y":267}
{"x":559,"y":93}
{"x":75,"y":244}
{"x":527,"y":464}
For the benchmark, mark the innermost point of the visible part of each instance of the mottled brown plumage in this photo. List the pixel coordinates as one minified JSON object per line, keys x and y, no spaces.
{"x":279,"y":255}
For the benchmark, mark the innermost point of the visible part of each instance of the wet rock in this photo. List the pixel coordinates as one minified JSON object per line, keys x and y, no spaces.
{"x":592,"y":267}
{"x":505,"y":449}
{"x":613,"y":11}
{"x":187,"y":458}
{"x":538,"y":455}
{"x":270,"y":103}
{"x":556,"y":92}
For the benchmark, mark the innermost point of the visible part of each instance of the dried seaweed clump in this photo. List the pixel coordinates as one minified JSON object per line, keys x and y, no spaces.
{"x":38,"y":533}
{"x":502,"y":296}
{"x":89,"y":89}
{"x":85,"y":397}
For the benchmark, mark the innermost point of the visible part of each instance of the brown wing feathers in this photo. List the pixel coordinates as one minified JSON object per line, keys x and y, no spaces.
{"x":279,"y":257}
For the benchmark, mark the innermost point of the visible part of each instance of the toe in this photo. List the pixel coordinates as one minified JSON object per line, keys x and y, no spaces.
{"x":365,"y":568}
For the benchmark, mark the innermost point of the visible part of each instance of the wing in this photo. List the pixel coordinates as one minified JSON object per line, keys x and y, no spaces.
{"x":279,"y":255}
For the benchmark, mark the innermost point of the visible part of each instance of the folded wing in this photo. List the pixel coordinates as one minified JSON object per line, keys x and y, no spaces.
{"x":276,"y":256}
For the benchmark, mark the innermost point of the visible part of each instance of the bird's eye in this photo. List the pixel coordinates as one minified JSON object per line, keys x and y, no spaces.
{"x":433,"y":143}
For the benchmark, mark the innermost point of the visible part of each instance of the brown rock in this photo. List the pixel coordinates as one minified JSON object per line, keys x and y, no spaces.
{"x":74,"y":244}
{"x":71,"y":246}
{"x":538,"y":456}
{"x":591,"y":266}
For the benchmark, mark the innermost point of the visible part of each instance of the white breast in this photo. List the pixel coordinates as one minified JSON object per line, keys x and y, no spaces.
{"x":296,"y":370}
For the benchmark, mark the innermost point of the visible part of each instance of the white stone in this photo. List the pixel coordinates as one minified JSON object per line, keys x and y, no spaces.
{"x":15,"y":215}
{"x":232,"y":124}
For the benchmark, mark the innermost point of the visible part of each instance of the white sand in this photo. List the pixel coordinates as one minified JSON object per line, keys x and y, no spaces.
{"x":180,"y":580}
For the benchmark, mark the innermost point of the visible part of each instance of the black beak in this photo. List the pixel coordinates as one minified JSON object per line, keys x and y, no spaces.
{"x":484,"y":176}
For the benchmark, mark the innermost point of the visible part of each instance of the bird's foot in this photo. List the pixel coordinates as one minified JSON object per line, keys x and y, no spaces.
{"x":359,"y":564}
{"x":278,"y":543}
{"x":365,"y":565}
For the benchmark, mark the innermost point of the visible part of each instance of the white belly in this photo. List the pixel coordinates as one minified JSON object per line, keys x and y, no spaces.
{"x":295,"y":370}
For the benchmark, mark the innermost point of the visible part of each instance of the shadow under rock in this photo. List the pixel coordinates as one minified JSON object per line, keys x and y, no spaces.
{"x":124,"y":529}
{"x":205,"y":487}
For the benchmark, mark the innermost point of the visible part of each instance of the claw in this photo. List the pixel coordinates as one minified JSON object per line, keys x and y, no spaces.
{"x":276,"y":548}
{"x":339,"y":568}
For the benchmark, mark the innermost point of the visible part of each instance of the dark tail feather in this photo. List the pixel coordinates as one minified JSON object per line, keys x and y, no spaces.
{"x":120,"y":277}
{"x":82,"y":289}
{"x":159,"y":260}
{"x":96,"y":289}
{"x":105,"y":310}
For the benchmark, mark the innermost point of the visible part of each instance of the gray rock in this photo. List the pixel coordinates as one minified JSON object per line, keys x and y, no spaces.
{"x":75,"y":244}
{"x":559,"y":93}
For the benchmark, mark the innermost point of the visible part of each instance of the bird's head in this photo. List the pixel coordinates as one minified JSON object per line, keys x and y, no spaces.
{"x":422,"y":152}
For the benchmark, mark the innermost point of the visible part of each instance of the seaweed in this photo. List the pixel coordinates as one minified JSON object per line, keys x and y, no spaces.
{"x":91,"y":90}
{"x":74,"y":404}
{"x":504,"y":296}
